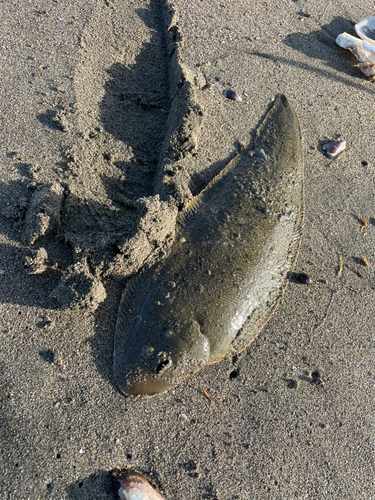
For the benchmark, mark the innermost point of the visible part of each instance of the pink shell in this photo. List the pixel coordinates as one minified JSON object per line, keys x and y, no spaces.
{"x":134,"y":485}
{"x":334,"y":148}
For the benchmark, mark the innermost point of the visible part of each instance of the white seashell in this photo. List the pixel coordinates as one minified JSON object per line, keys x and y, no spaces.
{"x":333,"y":148}
{"x":366,"y":30}
{"x":363,"y":51}
{"x":134,"y":486}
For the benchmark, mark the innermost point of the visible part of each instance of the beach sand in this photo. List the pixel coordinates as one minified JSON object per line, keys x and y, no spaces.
{"x":91,"y":150}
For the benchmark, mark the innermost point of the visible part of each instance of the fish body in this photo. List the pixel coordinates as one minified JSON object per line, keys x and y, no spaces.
{"x":235,"y":244}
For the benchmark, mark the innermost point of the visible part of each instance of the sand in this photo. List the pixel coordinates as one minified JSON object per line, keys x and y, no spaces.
{"x":95,"y":164}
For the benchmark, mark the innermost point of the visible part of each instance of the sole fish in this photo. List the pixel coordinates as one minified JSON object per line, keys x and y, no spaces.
{"x":227,"y":268}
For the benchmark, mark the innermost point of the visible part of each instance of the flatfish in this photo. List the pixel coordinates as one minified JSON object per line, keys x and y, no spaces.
{"x":227,"y":268}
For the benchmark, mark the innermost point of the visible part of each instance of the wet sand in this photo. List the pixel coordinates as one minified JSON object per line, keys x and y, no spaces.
{"x":113,"y":116}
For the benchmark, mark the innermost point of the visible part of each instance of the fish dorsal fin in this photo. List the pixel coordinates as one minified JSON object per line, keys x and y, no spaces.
{"x":128,"y":303}
{"x":194,"y":204}
{"x":190,"y":208}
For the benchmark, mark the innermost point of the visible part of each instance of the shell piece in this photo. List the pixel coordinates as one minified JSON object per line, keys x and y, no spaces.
{"x":333,"y":148}
{"x":214,"y":292}
{"x":232,"y":95}
{"x":368,"y":69}
{"x":363,"y":51}
{"x":260,"y":154}
{"x":365,"y":29}
{"x":134,"y":486}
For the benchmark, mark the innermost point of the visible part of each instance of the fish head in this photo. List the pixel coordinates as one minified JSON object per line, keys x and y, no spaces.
{"x":163,"y":360}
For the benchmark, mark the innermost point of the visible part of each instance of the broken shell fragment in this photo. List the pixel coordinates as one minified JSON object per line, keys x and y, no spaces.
{"x":333,"y":148}
{"x":232,"y":95}
{"x":260,"y":154}
{"x":366,"y":30}
{"x":368,"y":69}
{"x":134,"y":486}
{"x":363,"y":51}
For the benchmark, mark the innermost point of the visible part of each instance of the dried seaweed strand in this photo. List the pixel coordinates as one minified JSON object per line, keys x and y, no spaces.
{"x":340,"y":268}
{"x":209,"y":398}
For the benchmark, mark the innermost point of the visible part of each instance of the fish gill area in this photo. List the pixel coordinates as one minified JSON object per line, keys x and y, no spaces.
{"x":130,"y":135}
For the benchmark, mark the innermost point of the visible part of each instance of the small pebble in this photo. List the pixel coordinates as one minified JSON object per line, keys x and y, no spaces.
{"x":182,"y":417}
{"x":293,"y":384}
{"x":304,"y":279}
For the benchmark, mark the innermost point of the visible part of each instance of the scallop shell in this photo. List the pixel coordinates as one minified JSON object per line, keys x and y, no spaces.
{"x":365,"y":29}
{"x":333,"y":148}
{"x":134,"y":486}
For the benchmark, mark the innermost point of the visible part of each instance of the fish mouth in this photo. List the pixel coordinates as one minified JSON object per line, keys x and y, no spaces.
{"x":146,"y":387}
{"x":154,"y":368}
{"x":147,"y":378}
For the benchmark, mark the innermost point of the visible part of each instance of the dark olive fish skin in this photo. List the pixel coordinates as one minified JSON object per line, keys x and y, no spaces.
{"x":227,"y":268}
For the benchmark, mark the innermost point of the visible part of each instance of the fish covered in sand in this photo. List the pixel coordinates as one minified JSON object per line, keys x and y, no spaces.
{"x":227,"y":268}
